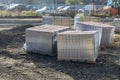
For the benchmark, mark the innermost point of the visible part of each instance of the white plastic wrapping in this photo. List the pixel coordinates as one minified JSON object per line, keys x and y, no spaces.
{"x":106,"y":32}
{"x":117,"y":24}
{"x":84,"y":26}
{"x":47,"y":20}
{"x":57,"y":20}
{"x":42,"y":39}
{"x":78,"y":45}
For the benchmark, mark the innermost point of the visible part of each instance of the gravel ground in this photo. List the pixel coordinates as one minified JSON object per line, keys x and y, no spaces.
{"x":16,"y":64}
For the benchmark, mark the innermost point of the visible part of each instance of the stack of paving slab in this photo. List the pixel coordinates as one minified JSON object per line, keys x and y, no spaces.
{"x":105,"y":36}
{"x":57,"y":20}
{"x":63,"y":21}
{"x":78,"y":46}
{"x":83,"y":26}
{"x":117,"y":24}
{"x":42,"y":39}
{"x":47,"y":20}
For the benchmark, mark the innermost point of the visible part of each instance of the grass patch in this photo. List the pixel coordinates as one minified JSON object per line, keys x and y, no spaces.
{"x":6,"y":13}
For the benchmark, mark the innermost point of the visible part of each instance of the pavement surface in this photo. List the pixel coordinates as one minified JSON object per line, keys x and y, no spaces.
{"x":21,"y":21}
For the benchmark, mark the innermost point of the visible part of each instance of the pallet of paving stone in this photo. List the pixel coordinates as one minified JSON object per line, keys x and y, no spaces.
{"x":83,"y":26}
{"x":77,"y":46}
{"x":47,"y":20}
{"x":106,"y":35}
{"x":57,"y":20}
{"x":42,"y":39}
{"x":63,"y":21}
{"x":117,"y":24}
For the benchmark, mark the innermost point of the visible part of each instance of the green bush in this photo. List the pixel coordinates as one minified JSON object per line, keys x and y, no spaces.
{"x":28,"y":13}
{"x":4,"y":13}
{"x":14,"y":13}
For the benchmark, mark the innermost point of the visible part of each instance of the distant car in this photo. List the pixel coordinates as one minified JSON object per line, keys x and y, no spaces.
{"x":2,"y":7}
{"x":69,"y":11}
{"x":17,"y":7}
{"x":89,"y":7}
{"x":44,"y":10}
{"x":60,"y":7}
{"x":29,"y":7}
{"x":41,"y":10}
{"x":80,"y":10}
{"x":10,"y":6}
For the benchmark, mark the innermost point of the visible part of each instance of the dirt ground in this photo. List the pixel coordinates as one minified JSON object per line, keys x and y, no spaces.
{"x":17,"y":64}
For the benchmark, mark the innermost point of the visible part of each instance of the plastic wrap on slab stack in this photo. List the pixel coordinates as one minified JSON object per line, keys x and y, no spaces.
{"x":83,"y":26}
{"x":42,"y":39}
{"x":63,"y":21}
{"x":57,"y":20}
{"x":78,"y":45}
{"x":76,"y":20}
{"x":107,"y":33}
{"x":117,"y":24}
{"x":47,"y":20}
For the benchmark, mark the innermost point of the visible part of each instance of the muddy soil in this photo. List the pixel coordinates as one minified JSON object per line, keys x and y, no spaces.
{"x":17,"y":64}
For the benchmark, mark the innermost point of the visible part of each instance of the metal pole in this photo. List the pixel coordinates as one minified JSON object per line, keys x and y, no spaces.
{"x":56,"y":3}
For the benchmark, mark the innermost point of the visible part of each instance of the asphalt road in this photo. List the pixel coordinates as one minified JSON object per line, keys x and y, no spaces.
{"x":22,"y":21}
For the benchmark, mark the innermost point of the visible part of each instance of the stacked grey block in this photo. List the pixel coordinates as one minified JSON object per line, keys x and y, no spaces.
{"x":78,"y":45}
{"x":84,"y":26}
{"x":47,"y":20}
{"x":63,"y":21}
{"x":57,"y":20}
{"x":106,"y":35}
{"x":42,"y":39}
{"x":76,"y":20}
{"x":117,"y":24}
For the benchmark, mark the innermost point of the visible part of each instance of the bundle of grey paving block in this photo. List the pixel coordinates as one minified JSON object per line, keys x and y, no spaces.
{"x":78,"y":46}
{"x":106,"y":32}
{"x":57,"y":20}
{"x":63,"y":21}
{"x":42,"y":39}
{"x":47,"y":20}
{"x":117,"y":24}
{"x":84,"y":26}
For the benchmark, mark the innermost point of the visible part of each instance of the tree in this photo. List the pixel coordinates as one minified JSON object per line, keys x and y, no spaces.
{"x":73,"y":1}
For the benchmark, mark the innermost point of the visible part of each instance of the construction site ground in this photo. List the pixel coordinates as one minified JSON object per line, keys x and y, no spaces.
{"x":17,"y":64}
